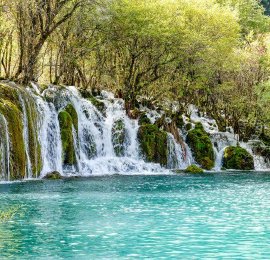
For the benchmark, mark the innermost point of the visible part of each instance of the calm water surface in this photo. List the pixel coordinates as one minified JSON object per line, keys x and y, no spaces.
{"x":214,"y":216}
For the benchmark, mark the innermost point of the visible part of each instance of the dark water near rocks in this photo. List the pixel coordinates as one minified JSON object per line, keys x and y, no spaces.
{"x":221,"y":216}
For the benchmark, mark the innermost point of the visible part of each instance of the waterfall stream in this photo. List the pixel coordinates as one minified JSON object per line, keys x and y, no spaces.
{"x":104,"y":138}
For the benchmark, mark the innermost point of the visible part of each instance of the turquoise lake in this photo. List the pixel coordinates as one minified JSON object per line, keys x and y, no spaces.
{"x":209,"y":216}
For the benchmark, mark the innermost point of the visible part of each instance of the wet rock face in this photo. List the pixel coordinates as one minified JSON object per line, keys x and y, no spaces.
{"x":237,"y":158}
{"x":153,"y":144}
{"x":201,"y":147}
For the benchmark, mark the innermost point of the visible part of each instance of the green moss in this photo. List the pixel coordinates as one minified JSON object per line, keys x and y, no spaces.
{"x":144,"y":120}
{"x":236,"y":157}
{"x":188,"y":126}
{"x":68,"y":150}
{"x":194,"y":169}
{"x":11,"y":107}
{"x":153,"y":144}
{"x":118,"y":137}
{"x":72,"y":112}
{"x":97,"y":103}
{"x":178,"y":119}
{"x":201,"y":146}
{"x":53,"y":176}
{"x":17,"y":149}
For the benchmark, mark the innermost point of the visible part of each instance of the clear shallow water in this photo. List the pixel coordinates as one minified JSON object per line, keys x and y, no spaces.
{"x":221,"y":216}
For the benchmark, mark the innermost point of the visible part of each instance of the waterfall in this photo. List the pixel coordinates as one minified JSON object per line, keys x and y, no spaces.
{"x":102,"y":137}
{"x":4,"y":149}
{"x":177,"y":158}
{"x":26,"y":138}
{"x":97,"y":141}
{"x":49,"y":136}
{"x":221,"y":140}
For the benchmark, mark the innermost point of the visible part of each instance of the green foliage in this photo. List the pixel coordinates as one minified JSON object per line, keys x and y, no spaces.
{"x":251,"y":15}
{"x":201,"y":146}
{"x":237,"y":158}
{"x":150,"y":40}
{"x":211,"y":53}
{"x":193,"y":169}
{"x":153,"y":144}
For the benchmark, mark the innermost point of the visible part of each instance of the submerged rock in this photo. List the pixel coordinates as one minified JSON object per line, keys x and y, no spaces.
{"x":236,"y":157}
{"x":53,"y":176}
{"x":201,"y":147}
{"x":153,"y":144}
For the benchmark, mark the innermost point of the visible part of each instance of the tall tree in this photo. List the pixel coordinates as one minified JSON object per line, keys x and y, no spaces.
{"x":36,"y":20}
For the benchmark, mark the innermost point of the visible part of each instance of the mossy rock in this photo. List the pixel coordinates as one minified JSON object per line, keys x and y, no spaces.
{"x":68,"y":149}
{"x":118,"y":137}
{"x":72,"y":112}
{"x":178,"y":119}
{"x":53,"y":176}
{"x":188,"y":126}
{"x":11,"y":109}
{"x":193,"y":169}
{"x":153,"y":144}
{"x":236,"y":157}
{"x":265,"y":138}
{"x":98,"y":104}
{"x":134,"y":113}
{"x":11,"y":98}
{"x":201,"y":147}
{"x":144,"y":120}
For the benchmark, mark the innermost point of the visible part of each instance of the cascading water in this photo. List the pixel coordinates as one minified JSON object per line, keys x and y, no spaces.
{"x":26,"y":138}
{"x":177,"y":158}
{"x":221,"y":140}
{"x":96,"y":141}
{"x":103,"y":137}
{"x":4,"y":149}
{"x":49,"y":136}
